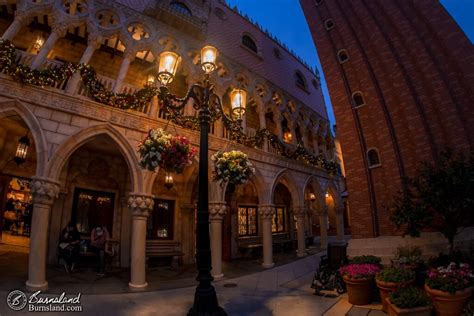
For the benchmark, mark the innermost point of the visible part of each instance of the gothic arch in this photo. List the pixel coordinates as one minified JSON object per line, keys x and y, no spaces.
{"x":285,"y":177}
{"x":14,"y":106}
{"x":69,"y":146}
{"x":313,"y":181}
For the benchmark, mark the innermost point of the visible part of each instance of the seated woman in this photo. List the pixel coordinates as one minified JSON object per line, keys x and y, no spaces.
{"x":69,"y":246}
{"x":99,"y":237}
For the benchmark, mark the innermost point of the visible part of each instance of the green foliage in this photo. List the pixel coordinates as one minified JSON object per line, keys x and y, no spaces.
{"x":409,"y":297}
{"x":365,"y":259}
{"x":408,"y":255}
{"x":396,"y":275}
{"x":469,"y":309}
{"x":440,"y":196}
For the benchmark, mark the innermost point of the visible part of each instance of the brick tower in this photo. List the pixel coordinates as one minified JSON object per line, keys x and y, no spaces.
{"x":400,"y":75}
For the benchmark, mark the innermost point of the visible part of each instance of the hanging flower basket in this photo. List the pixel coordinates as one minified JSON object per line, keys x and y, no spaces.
{"x":233,"y":167}
{"x":163,"y":150}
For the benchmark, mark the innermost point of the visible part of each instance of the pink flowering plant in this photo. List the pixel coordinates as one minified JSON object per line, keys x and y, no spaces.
{"x":454,"y":277}
{"x":360,"y":270}
{"x":163,"y":150}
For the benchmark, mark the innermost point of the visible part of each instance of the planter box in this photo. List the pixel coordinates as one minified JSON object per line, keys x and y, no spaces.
{"x":359,"y":291}
{"x":417,"y":311}
{"x":387,"y":288}
{"x":447,"y":304}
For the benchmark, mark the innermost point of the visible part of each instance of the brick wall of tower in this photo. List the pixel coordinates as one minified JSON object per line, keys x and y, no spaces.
{"x":415,"y":68}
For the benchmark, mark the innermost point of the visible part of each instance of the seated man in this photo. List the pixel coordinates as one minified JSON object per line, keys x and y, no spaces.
{"x":69,"y":246}
{"x":99,"y":237}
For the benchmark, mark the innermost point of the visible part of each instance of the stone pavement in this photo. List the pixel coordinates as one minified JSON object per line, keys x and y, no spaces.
{"x":283,"y":290}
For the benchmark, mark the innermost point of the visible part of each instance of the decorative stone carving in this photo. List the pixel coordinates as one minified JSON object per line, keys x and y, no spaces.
{"x":140,"y":205}
{"x":266,"y":211}
{"x":217,"y":211}
{"x":44,"y":190}
{"x":299,"y":211}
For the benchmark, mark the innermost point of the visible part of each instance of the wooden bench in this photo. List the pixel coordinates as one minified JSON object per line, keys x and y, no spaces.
{"x":250,"y":246}
{"x":163,"y":249}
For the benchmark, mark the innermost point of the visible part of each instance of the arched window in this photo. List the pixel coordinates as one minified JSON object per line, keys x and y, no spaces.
{"x":342,"y":56}
{"x":180,"y":8}
{"x":248,"y":42}
{"x":300,"y":80}
{"x":373,"y":158}
{"x":329,"y":24}
{"x":358,"y":99}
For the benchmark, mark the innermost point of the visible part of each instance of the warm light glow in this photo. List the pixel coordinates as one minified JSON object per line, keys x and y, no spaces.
{"x":39,"y":42}
{"x":167,"y":66}
{"x":22,"y":150}
{"x":327,"y":195}
{"x":312,"y":197}
{"x":238,"y":99}
{"x":287,"y":137}
{"x":169,"y":181}
{"x":208,"y":58}
{"x":150,"y":79}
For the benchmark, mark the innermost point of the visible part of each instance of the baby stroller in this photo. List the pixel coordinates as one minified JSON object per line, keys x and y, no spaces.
{"x":327,"y":276}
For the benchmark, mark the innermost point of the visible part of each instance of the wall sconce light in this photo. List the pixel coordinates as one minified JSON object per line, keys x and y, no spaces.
{"x":169,"y":181}
{"x":287,"y":137}
{"x":150,"y":79}
{"x":39,"y":42}
{"x":327,"y":195}
{"x":22,"y":150}
{"x":312,"y":197}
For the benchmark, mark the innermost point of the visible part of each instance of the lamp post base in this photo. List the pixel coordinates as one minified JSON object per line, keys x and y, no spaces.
{"x":205,"y":303}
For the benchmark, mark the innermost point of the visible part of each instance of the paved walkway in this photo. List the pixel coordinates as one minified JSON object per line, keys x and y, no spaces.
{"x":283,"y":290}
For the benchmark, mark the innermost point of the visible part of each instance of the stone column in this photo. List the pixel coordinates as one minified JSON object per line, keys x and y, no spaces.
{"x":323,"y":226}
{"x":154,"y":108}
{"x":216,"y":215}
{"x":140,"y":206}
{"x":340,"y":225}
{"x":266,"y":214}
{"x":93,"y":44}
{"x":127,"y":59}
{"x":14,"y":28}
{"x":47,"y":47}
{"x":278,"y":124}
{"x":44,"y":191}
{"x":263,"y":124}
{"x":300,"y":214}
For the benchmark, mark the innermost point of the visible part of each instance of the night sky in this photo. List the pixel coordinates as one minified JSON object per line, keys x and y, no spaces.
{"x":285,"y":19}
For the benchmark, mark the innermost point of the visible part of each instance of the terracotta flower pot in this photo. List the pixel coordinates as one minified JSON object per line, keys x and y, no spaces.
{"x":359,"y":290}
{"x":447,"y":304}
{"x":386,"y":288}
{"x":393,"y":310}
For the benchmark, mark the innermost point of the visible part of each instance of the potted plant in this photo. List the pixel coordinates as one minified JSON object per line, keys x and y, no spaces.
{"x":408,"y":301}
{"x":408,"y":257}
{"x":163,"y":150}
{"x":232,"y":167}
{"x":366,"y":259}
{"x":390,"y":279}
{"x":359,"y":279}
{"x":450,"y":288}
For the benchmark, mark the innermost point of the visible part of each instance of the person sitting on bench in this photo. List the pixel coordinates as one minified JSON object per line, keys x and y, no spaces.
{"x":69,"y":246}
{"x":99,"y":237}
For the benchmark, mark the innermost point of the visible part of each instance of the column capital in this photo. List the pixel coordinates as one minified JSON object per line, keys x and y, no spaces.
{"x":266,"y":211}
{"x":299,"y":211}
{"x":44,"y":190}
{"x":95,"y":40}
{"x":217,"y":210}
{"x":140,"y":204}
{"x":322,"y":211}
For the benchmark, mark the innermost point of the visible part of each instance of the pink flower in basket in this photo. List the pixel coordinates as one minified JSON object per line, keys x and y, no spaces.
{"x":360,"y":270}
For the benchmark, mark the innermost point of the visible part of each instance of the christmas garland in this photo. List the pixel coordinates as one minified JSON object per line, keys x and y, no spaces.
{"x":140,"y":99}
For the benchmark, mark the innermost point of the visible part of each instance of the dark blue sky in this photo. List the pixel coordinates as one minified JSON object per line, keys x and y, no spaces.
{"x":285,"y":19}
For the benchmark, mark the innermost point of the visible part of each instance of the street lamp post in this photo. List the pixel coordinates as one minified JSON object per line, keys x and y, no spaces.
{"x":210,"y":108}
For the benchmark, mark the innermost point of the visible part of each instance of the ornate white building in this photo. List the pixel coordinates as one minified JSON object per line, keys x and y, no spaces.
{"x":82,"y":160}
